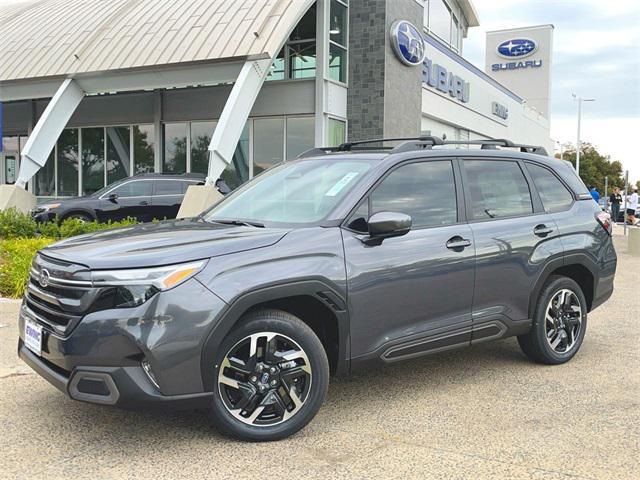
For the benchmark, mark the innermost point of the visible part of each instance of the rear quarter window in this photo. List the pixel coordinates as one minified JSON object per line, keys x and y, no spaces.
{"x":554,"y":195}
{"x":570,"y":176}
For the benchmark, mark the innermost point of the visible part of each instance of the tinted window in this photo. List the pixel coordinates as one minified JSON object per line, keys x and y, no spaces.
{"x":139,"y":188}
{"x":168,"y":187}
{"x":569,"y":175}
{"x":498,"y":189}
{"x":425,"y":191}
{"x":554,"y":195}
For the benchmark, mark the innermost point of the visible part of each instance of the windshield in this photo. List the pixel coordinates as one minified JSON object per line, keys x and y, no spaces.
{"x":302,"y":192}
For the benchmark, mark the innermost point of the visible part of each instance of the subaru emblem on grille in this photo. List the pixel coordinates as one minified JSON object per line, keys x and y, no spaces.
{"x":44,"y":278}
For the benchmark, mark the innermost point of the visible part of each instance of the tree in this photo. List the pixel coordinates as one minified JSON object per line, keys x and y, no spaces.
{"x":594,"y":167}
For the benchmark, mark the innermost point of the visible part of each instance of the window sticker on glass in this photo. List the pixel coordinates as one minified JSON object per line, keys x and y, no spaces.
{"x":340,"y":184}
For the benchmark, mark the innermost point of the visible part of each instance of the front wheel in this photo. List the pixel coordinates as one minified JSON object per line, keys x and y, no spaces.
{"x":272,"y":376}
{"x":83,"y":217}
{"x":559,"y":323}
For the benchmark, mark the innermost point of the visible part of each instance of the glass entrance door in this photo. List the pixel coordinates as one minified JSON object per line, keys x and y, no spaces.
{"x":10,"y":156}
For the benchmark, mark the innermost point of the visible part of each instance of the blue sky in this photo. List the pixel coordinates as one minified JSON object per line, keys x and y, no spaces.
{"x":596,"y":54}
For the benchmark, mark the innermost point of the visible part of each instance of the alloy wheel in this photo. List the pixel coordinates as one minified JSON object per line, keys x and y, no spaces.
{"x":264,"y":379}
{"x":563,"y":321}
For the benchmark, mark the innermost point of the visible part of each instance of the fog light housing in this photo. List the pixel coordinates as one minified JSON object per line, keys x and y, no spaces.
{"x":146,"y":366}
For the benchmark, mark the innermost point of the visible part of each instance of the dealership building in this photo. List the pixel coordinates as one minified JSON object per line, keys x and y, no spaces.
{"x":109,"y":89}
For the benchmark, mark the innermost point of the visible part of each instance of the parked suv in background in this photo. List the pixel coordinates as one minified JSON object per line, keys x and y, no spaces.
{"x":339,"y":260}
{"x":144,"y":197}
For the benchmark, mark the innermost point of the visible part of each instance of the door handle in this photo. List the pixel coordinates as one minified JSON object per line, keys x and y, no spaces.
{"x":144,"y":203}
{"x":542,"y":230}
{"x":458,"y":243}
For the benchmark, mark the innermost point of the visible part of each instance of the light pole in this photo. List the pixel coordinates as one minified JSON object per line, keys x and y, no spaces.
{"x":578,"y":143}
{"x":561,"y":147}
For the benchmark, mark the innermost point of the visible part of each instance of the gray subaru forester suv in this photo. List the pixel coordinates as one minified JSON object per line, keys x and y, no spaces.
{"x":345,"y":258}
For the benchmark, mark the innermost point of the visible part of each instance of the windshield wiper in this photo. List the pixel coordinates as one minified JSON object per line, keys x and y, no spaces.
{"x":241,"y":223}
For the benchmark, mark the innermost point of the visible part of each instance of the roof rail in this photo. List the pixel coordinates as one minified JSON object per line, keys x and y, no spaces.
{"x":346,"y":147}
{"x":361,"y":145}
{"x":423,"y":143}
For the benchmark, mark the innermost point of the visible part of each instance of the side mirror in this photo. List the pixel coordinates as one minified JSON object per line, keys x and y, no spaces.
{"x":113,"y":197}
{"x":389,"y":224}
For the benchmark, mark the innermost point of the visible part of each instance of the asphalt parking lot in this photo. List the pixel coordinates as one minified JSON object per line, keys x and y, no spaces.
{"x":483,"y":412}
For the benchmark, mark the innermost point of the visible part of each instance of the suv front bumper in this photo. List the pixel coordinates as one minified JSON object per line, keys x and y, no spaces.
{"x":100,"y":360}
{"x":125,"y":387}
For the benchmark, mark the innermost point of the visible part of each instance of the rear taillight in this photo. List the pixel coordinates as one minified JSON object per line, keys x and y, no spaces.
{"x":604,"y":219}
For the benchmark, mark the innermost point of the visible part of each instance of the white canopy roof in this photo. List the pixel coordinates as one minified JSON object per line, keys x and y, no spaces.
{"x":46,"y":39}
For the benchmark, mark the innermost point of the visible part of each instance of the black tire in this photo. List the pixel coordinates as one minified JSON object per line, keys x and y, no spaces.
{"x":293,"y":328}
{"x":535,"y":344}
{"x":84,"y":217}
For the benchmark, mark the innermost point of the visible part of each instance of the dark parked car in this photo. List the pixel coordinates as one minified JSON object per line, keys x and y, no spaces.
{"x":327,"y":264}
{"x":144,"y":197}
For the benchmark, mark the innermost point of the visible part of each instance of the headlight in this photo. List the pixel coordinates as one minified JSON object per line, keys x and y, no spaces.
{"x":161,"y":278}
{"x":46,"y":207}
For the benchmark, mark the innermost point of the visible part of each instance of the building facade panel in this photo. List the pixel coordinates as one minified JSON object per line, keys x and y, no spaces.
{"x":337,"y":76}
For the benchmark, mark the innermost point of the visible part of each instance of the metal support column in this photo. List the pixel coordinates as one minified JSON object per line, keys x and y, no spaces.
{"x":234,"y":116}
{"x":46,"y":132}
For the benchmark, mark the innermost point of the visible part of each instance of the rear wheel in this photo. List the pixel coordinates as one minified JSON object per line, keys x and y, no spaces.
{"x":272,"y":376}
{"x":559,"y":324}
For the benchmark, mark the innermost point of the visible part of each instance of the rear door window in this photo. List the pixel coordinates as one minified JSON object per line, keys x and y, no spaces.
{"x":497,"y":189}
{"x":554,"y":195}
{"x":137,"y":188}
{"x":168,"y":187}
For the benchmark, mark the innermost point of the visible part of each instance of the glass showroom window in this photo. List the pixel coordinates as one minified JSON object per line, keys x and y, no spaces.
{"x":337,"y":132}
{"x":68,"y":163}
{"x":302,"y":59}
{"x":455,"y":33}
{"x":237,"y":172}
{"x":268,"y":143}
{"x":59,"y":176}
{"x":441,"y":22}
{"x":118,"y":153}
{"x":45,"y":181}
{"x":175,"y":148}
{"x":300,"y":135}
{"x":298,"y":57}
{"x":93,"y":177}
{"x":338,"y":29}
{"x":143,"y":149}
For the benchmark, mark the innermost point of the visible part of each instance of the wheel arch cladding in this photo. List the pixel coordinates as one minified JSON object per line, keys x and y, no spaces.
{"x":315,"y":303}
{"x":577,"y":269}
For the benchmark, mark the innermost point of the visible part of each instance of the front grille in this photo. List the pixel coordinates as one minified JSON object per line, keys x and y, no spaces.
{"x":59,"y":293}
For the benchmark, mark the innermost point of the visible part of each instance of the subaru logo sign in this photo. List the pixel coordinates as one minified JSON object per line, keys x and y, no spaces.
{"x":408,"y":43}
{"x":517,"y":48}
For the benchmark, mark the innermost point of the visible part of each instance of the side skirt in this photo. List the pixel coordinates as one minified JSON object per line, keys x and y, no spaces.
{"x":484,"y":330}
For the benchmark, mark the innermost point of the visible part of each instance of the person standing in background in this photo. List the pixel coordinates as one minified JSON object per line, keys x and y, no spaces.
{"x":632,"y":206}
{"x":595,"y":194}
{"x":615,"y":200}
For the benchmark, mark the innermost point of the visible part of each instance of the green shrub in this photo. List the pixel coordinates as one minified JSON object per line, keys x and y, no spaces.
{"x":21,"y":238}
{"x":73,"y":226}
{"x":15,"y":262}
{"x":15,"y":224}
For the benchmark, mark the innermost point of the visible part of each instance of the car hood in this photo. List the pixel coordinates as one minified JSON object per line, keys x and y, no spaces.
{"x":162,"y":243}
